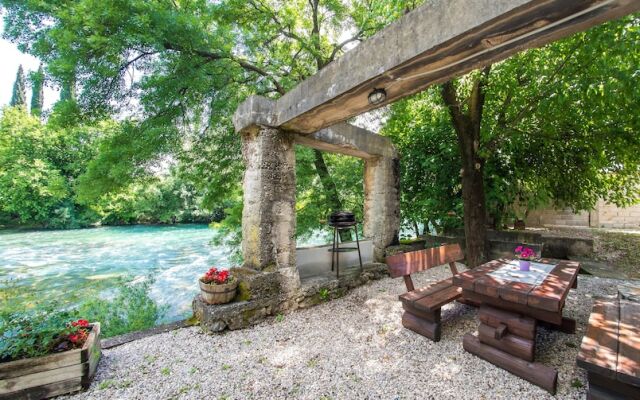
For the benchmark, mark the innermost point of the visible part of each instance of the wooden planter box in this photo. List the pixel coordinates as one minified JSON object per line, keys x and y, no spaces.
{"x":53,"y":374}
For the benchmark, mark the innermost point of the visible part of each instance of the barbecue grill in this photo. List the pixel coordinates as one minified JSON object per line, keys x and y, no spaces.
{"x":342,"y":220}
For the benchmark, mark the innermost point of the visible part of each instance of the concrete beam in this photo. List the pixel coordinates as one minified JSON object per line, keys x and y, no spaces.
{"x":350,"y":140}
{"x":437,"y":41}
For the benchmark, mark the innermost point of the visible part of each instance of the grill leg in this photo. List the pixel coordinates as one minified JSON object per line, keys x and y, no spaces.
{"x":333,"y":248}
{"x":337,"y":255}
{"x":358,"y":245}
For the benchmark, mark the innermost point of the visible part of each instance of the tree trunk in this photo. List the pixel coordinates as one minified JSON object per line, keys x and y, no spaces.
{"x":473,"y":198}
{"x":467,"y":126}
{"x":330,"y":190}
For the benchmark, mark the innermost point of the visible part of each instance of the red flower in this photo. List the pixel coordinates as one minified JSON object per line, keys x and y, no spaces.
{"x":215,"y":275}
{"x":82,"y":323}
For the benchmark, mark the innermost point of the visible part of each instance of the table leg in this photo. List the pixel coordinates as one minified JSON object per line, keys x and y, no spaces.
{"x":507,"y":340}
{"x":568,"y":325}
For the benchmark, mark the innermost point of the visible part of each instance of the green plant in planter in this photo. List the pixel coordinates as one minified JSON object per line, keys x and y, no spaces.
{"x":34,"y":334}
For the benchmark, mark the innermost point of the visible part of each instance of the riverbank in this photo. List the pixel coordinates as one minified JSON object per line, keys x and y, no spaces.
{"x":353,"y":347}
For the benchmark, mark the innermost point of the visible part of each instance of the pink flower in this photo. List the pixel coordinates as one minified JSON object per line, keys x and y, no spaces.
{"x":524,"y":252}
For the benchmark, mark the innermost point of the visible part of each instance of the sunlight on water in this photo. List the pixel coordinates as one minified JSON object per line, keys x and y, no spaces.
{"x":54,"y":263}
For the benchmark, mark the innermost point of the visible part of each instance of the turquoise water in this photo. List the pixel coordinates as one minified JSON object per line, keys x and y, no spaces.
{"x":54,"y":263}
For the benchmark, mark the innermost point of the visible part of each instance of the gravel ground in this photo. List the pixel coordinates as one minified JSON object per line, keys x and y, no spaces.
{"x":351,"y":348}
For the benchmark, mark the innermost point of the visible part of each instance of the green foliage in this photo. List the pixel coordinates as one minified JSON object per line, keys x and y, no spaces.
{"x":559,"y":127}
{"x":32,"y":334}
{"x":193,"y":63}
{"x":430,"y":168}
{"x":324,"y":294}
{"x":32,"y":188}
{"x":30,"y":325}
{"x":37,"y":91}
{"x":54,"y":175}
{"x":130,"y":309}
{"x":19,"y":96}
{"x":312,"y":202}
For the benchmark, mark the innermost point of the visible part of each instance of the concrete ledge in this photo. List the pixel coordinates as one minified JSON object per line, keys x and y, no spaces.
{"x":119,"y":340}
{"x":502,"y":243}
{"x":253,"y":112}
{"x":314,"y":290}
{"x":350,"y":140}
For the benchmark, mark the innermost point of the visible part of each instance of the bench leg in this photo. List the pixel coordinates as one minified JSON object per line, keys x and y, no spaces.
{"x":430,"y":329}
{"x":603,"y":388}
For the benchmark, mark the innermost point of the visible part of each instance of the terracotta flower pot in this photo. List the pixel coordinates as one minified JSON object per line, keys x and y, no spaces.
{"x":213,"y":293}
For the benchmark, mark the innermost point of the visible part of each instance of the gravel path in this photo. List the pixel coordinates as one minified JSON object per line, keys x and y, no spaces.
{"x":351,"y":348}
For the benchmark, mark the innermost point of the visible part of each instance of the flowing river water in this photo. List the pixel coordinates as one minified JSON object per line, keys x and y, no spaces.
{"x":55,"y":263}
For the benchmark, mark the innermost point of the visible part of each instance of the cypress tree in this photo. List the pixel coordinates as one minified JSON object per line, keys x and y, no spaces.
{"x":37,"y":92}
{"x":68,"y":91}
{"x":19,"y":97}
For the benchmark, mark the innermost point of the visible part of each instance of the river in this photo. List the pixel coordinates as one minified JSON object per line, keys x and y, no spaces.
{"x":53,"y":263}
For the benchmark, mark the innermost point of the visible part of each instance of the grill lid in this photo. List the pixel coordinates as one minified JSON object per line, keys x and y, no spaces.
{"x":342,"y":218}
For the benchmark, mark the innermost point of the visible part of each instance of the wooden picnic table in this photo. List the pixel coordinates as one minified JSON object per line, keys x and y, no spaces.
{"x":512,"y":304}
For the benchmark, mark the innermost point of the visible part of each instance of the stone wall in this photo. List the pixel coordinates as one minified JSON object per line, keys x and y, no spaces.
{"x":604,"y":215}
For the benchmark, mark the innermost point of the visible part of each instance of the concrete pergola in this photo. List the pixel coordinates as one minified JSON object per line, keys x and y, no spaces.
{"x":437,"y":41}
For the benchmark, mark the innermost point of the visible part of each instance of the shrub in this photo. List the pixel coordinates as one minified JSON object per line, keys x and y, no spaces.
{"x":131,"y":309}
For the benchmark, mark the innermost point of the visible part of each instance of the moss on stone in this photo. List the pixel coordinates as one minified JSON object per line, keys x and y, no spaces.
{"x":244,"y":292}
{"x":271,"y":267}
{"x":193,"y":320}
{"x":247,"y":315}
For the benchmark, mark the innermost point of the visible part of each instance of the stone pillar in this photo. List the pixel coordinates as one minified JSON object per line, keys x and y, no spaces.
{"x":268,"y":216}
{"x":382,"y":203}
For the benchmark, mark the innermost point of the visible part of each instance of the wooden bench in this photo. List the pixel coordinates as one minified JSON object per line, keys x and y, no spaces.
{"x":610,"y":350}
{"x":422,"y":306}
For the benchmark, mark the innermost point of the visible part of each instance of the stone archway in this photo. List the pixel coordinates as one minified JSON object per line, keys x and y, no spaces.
{"x":431,"y":44}
{"x":269,"y":218}
{"x":437,"y":41}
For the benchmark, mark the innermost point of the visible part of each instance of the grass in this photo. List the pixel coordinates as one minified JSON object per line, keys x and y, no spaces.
{"x":324,"y":294}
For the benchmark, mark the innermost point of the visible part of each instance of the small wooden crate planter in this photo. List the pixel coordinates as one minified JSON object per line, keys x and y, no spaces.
{"x":53,"y":374}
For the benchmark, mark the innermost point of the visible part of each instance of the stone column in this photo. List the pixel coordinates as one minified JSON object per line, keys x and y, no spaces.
{"x":268,"y":216}
{"x":382,"y":203}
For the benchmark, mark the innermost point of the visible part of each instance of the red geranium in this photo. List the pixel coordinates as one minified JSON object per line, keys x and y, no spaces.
{"x":215,"y":276}
{"x":79,"y":332}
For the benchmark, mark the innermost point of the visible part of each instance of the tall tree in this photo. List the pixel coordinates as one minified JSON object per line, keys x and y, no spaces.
{"x":187,"y":64}
{"x":550,"y":126}
{"x":69,"y":91}
{"x":19,"y":97}
{"x":37,"y":91}
{"x":466,"y":118}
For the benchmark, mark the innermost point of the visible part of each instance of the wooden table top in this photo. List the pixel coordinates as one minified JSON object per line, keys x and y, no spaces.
{"x":549,"y":295}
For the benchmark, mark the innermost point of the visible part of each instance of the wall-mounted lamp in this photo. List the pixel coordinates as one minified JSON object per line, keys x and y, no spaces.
{"x":377,"y":96}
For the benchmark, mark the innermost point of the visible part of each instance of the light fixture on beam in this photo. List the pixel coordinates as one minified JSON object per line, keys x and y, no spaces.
{"x":377,"y":96}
